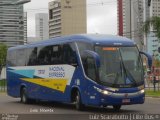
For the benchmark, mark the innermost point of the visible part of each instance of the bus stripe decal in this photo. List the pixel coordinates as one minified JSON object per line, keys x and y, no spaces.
{"x":26,"y":73}
{"x":56,"y":84}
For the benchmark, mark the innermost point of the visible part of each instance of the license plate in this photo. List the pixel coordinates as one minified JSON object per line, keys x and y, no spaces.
{"x":126,"y":101}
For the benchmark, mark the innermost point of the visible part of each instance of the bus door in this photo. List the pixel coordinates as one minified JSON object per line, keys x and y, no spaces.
{"x":91,"y":74}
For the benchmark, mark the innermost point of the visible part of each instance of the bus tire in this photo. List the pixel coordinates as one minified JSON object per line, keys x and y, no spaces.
{"x":24,"y":98}
{"x":78,"y":102}
{"x":116,"y":107}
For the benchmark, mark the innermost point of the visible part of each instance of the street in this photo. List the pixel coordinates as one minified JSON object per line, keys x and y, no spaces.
{"x":9,"y":105}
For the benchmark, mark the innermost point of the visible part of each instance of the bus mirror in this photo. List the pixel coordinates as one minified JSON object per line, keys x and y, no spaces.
{"x":94,"y":55}
{"x":149,"y":57}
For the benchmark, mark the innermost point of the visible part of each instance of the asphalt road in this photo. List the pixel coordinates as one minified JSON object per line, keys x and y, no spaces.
{"x":45,"y":110}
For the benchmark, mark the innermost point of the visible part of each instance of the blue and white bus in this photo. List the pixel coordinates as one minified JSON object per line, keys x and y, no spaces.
{"x":88,"y":70}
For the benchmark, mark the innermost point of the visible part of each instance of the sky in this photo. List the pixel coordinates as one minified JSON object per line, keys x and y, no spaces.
{"x":101,"y":15}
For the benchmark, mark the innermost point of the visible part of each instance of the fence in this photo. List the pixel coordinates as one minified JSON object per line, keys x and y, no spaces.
{"x":153,"y":79}
{"x":149,"y":82}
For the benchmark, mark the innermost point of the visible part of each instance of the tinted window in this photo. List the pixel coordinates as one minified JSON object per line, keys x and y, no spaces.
{"x":57,"y":54}
{"x":20,"y":56}
{"x":49,"y":55}
{"x":69,"y":54}
{"x":84,"y":46}
{"x":44,"y":55}
{"x":11,"y":58}
{"x":32,"y":56}
{"x":89,"y":67}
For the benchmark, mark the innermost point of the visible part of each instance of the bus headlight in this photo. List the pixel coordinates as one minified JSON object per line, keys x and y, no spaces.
{"x":142,"y":91}
{"x":105,"y":92}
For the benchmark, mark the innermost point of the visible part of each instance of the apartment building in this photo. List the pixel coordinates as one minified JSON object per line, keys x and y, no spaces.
{"x":42,"y":26}
{"x":67,"y":17}
{"x":12,"y":23}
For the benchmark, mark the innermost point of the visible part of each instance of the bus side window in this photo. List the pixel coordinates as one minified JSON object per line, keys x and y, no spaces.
{"x":11,"y":59}
{"x":69,"y":54}
{"x":21,"y":54}
{"x":89,"y":67}
{"x":44,"y":55}
{"x":32,"y":53}
{"x":82,"y":46}
{"x":56,"y":54}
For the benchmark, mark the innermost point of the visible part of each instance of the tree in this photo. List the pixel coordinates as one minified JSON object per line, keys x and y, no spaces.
{"x":3,"y":54}
{"x":156,"y":63}
{"x":155,"y":23}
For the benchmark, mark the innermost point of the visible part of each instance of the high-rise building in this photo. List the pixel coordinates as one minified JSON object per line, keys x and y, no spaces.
{"x":131,"y":16}
{"x":67,"y":17}
{"x":25,"y":27}
{"x":42,"y":27}
{"x":153,"y":43}
{"x":12,"y":28}
{"x":155,"y":8}
{"x":130,"y":20}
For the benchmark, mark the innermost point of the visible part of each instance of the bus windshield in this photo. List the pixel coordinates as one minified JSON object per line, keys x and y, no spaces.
{"x":120,"y":66}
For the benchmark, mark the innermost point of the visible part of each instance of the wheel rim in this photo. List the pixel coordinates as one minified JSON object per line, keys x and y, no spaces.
{"x":77,"y":101}
{"x":23,"y":97}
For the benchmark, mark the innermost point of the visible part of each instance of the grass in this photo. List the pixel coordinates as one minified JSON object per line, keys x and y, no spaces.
{"x":2,"y":82}
{"x":152,"y":93}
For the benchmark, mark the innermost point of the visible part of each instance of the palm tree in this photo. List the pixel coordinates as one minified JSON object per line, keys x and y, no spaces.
{"x":155,"y":23}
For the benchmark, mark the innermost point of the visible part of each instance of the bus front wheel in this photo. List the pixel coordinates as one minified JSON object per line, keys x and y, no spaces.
{"x":116,"y":107}
{"x":78,"y":102}
{"x":24,"y":98}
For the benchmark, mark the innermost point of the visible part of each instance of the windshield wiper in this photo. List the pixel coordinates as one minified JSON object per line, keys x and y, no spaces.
{"x":126,"y":71}
{"x":128,"y":74}
{"x":117,"y":74}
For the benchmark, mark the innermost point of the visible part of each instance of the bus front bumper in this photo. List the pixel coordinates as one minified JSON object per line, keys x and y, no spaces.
{"x":122,"y":99}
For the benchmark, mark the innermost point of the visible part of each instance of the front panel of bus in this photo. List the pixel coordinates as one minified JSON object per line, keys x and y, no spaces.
{"x":119,"y":80}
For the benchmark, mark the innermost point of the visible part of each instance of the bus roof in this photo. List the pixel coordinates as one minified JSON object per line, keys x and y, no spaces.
{"x":89,"y":38}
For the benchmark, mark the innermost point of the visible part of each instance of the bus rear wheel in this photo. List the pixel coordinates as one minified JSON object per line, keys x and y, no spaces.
{"x":24,"y":98}
{"x":116,"y":107}
{"x":78,"y":102}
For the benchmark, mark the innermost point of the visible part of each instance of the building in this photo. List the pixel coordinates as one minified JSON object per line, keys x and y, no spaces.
{"x":152,"y":44}
{"x":12,"y":23}
{"x":42,"y":27}
{"x":25,"y":27}
{"x":67,"y":17}
{"x":152,"y":41}
{"x":32,"y":40}
{"x":131,"y":18}
{"x":155,"y":8}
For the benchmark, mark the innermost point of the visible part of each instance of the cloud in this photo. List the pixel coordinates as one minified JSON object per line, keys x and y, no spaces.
{"x":102,"y":18}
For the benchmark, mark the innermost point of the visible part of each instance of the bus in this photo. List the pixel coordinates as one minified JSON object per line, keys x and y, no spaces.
{"x":85,"y":69}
